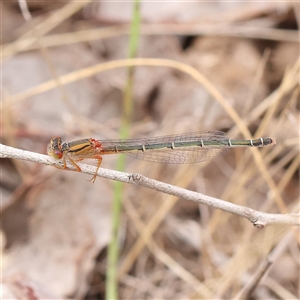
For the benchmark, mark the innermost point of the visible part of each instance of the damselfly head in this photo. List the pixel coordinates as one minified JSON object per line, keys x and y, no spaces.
{"x":54,"y":148}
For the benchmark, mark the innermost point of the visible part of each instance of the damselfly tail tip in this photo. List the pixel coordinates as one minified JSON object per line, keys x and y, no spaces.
{"x":273,"y":141}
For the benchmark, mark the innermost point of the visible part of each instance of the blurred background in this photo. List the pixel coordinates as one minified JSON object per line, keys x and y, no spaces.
{"x":56,"y":225}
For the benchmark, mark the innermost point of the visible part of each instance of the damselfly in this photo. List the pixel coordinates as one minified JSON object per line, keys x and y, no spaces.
{"x":171,"y":149}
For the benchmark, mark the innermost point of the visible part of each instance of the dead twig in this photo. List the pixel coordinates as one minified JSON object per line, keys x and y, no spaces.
{"x":259,"y":219}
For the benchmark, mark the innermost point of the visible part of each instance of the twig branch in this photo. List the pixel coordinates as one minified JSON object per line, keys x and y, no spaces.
{"x":259,"y":219}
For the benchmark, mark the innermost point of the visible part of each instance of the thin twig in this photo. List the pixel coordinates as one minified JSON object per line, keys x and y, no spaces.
{"x":264,"y":267}
{"x":259,"y":219}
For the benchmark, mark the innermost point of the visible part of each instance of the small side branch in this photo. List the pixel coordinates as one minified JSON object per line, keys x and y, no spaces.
{"x":257,"y":218}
